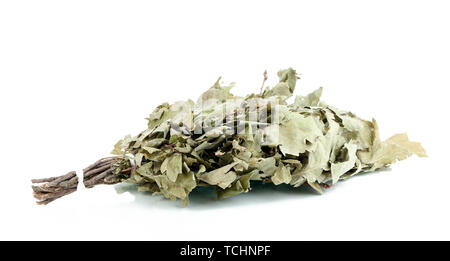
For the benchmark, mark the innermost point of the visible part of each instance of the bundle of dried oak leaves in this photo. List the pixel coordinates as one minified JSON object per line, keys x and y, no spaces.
{"x":226,"y":141}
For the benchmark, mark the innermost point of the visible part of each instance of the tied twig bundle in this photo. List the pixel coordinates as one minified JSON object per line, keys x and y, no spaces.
{"x":48,"y":189}
{"x":109,"y":170}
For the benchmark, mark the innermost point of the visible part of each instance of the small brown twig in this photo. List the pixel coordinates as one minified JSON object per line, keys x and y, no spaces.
{"x":264,"y":81}
{"x":325,"y":185}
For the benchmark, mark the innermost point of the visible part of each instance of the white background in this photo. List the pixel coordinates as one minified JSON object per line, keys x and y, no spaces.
{"x":76,"y":76}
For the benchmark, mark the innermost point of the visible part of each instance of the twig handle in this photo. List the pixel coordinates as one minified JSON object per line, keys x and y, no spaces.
{"x":110,"y":170}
